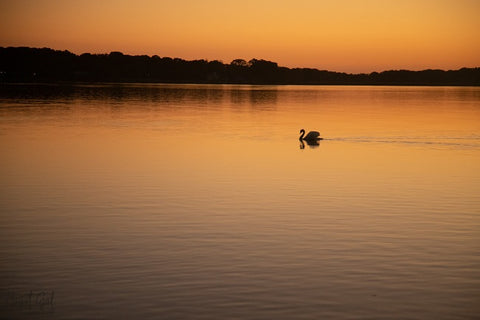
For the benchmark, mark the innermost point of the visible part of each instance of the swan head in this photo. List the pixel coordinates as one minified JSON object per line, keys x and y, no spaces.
{"x":302,"y":131}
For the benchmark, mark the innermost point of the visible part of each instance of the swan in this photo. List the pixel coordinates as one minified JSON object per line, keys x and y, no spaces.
{"x":310,"y":137}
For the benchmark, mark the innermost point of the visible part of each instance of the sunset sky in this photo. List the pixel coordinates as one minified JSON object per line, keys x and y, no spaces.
{"x":338,"y":35}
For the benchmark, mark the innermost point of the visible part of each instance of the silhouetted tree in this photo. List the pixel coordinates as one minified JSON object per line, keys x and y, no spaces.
{"x":239,"y":63}
{"x":264,"y":71}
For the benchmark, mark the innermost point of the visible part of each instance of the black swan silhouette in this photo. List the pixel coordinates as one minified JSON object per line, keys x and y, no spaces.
{"x":312,"y":136}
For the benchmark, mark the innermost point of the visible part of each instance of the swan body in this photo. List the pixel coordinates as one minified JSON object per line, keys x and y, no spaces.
{"x":310,"y":137}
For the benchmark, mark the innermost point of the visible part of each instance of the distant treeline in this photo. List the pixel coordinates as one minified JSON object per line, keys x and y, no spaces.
{"x":23,"y":64}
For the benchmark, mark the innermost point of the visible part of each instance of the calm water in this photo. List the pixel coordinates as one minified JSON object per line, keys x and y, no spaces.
{"x":199,"y":202}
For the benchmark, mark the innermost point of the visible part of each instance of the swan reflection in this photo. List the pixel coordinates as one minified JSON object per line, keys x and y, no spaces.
{"x":311,"y":143}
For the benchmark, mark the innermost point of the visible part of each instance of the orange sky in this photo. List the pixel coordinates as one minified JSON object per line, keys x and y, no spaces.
{"x":337,"y":35}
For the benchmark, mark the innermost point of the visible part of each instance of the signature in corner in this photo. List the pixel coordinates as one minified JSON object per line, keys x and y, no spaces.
{"x":33,"y":298}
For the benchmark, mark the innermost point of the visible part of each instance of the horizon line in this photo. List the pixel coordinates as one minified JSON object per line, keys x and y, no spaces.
{"x":228,"y":63}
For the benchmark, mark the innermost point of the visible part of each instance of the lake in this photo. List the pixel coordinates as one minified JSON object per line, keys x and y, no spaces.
{"x":152,"y":201}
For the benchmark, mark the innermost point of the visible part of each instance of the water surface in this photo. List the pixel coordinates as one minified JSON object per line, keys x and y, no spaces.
{"x":199,"y":202}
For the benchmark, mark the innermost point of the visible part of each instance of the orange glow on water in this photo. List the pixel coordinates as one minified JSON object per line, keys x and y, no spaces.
{"x":186,"y":187}
{"x":349,"y":36}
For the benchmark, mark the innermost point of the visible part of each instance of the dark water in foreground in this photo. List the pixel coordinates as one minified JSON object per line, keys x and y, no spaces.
{"x":198,"y":202}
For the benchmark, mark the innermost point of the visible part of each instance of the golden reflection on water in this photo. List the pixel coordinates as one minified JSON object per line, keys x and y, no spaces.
{"x":201,"y":196}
